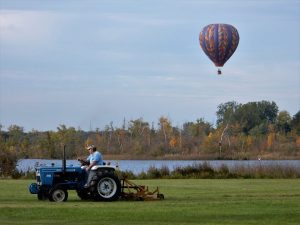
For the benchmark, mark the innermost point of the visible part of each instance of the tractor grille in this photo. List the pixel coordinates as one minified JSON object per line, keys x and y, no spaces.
{"x":38,"y":177}
{"x":38,"y":180}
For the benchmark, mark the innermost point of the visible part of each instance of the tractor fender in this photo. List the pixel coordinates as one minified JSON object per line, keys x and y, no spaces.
{"x":104,"y":167}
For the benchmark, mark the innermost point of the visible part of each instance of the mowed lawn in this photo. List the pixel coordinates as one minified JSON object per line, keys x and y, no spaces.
{"x":191,"y":201}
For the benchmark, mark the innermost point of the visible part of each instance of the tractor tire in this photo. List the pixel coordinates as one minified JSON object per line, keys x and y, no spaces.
{"x":107,"y":188}
{"x":58,"y":194}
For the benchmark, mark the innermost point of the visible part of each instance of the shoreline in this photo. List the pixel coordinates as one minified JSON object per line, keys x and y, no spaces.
{"x":194,"y":157}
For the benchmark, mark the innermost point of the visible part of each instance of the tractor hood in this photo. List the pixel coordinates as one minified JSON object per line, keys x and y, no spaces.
{"x":46,"y":174}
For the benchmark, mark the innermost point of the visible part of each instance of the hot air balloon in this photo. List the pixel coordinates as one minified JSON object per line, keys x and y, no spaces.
{"x":219,"y":42}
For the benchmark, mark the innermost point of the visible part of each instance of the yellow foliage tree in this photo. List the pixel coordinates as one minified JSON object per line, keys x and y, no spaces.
{"x":173,"y":142}
{"x":249,"y":141}
{"x":88,"y":141}
{"x":270,"y":140}
{"x":298,"y":142}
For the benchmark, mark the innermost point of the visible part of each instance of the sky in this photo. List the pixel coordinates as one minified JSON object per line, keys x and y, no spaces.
{"x":88,"y":63}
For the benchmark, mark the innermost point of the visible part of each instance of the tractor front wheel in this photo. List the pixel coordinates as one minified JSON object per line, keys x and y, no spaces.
{"x":58,"y":195}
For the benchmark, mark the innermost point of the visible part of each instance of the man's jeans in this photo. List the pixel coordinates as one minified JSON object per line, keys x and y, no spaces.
{"x":91,"y":173}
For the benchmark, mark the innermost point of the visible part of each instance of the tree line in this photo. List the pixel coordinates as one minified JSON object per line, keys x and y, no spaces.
{"x":242,"y":131}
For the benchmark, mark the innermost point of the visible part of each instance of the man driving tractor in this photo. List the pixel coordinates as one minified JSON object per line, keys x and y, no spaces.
{"x":94,"y":158}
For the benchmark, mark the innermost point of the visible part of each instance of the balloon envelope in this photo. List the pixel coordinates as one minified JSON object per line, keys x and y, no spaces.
{"x":219,"y":42}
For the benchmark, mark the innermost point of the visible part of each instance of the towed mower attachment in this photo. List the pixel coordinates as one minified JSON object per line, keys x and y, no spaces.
{"x":132,"y":191}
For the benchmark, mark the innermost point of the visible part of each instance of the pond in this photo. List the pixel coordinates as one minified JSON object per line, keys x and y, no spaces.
{"x":138,"y":166}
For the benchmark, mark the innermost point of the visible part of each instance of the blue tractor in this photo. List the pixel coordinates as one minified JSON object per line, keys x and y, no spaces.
{"x":53,"y":182}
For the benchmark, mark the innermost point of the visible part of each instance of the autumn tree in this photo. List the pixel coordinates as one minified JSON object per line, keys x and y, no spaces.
{"x":226,"y":112}
{"x":8,"y":150}
{"x":295,"y":123}
{"x":283,"y":122}
{"x":165,"y":131}
{"x":69,"y":137}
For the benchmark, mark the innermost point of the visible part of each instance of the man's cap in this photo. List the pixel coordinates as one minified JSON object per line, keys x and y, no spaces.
{"x":90,"y":147}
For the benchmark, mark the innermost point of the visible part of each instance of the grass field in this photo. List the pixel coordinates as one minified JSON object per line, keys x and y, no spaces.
{"x":190,"y":201}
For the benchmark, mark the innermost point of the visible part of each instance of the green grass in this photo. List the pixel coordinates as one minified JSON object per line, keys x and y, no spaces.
{"x":187,"y":201}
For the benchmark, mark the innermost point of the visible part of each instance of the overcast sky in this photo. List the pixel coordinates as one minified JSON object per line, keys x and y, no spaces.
{"x":86,"y":63}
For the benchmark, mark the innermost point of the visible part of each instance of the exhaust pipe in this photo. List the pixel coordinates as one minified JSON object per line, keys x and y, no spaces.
{"x":64,"y":160}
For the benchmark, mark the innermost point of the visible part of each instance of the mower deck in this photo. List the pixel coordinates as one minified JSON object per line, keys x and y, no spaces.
{"x":132,"y":191}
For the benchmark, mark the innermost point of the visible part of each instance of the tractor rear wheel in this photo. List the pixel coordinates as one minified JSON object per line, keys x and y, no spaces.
{"x":107,"y":187}
{"x":58,"y":195}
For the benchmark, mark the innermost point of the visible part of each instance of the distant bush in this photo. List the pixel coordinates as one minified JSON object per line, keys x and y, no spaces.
{"x":206,"y":171}
{"x":271,"y":171}
{"x":8,"y":162}
{"x":126,"y":174}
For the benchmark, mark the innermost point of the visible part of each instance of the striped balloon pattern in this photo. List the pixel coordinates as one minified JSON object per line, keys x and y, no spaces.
{"x":219,"y":42}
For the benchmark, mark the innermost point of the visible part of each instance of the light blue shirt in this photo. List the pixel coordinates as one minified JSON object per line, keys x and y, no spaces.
{"x":95,"y":157}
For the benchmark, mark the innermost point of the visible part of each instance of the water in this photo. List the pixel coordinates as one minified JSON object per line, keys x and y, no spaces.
{"x":138,"y":166}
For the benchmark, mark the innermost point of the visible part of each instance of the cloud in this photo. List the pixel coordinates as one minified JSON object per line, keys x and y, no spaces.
{"x":27,"y":27}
